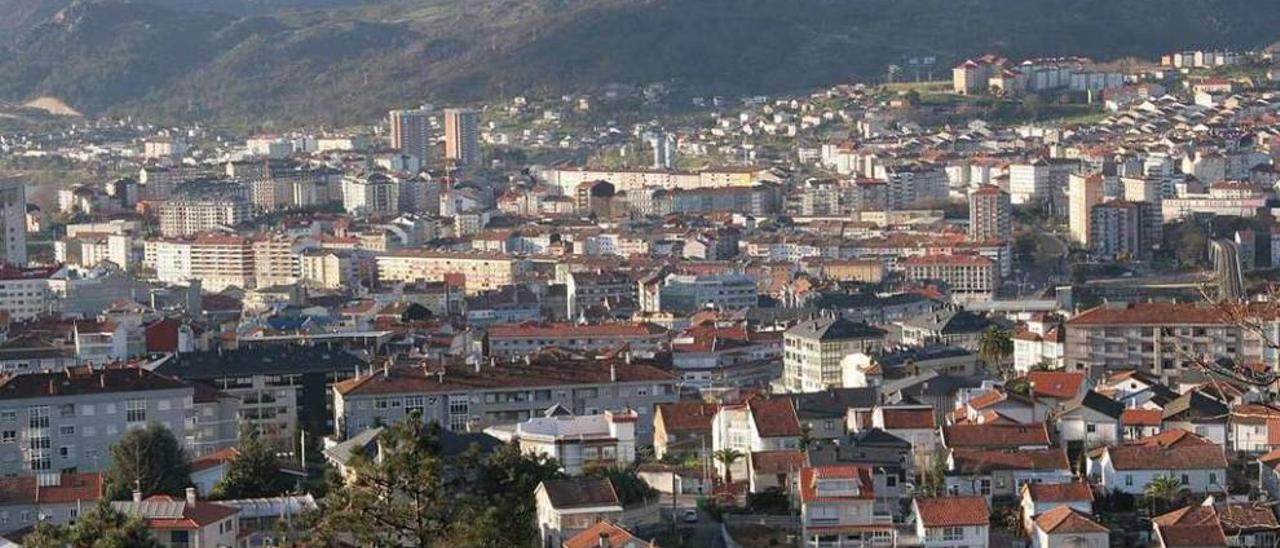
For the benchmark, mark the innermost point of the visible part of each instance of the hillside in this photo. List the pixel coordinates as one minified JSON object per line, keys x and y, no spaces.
{"x":328,"y":65}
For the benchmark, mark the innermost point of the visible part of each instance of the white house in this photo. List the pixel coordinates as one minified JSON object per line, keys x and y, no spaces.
{"x":1066,"y":527}
{"x":761,"y":424}
{"x":952,"y":522}
{"x":1200,"y":468}
{"x":577,"y":442}
{"x":567,"y":507}
{"x":1092,"y":419}
{"x":1038,"y":498}
{"x":837,"y":508}
{"x":1003,"y":473}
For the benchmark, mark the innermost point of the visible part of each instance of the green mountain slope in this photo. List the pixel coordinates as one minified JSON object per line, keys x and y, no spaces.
{"x":340,"y":65}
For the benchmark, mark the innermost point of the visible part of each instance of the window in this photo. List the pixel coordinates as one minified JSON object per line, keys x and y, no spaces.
{"x":86,"y":410}
{"x":1128,"y":480}
{"x":984,"y":486}
{"x":66,"y":452}
{"x":413,"y":404}
{"x":952,"y":533}
{"x":891,"y":481}
{"x":67,"y":430}
{"x":9,"y":436}
{"x":1186,"y":479}
{"x":109,"y":408}
{"x":164,"y":405}
{"x":1091,"y":428}
{"x":38,"y":416}
{"x":89,"y":431}
{"x":8,"y":415}
{"x":135,"y":410}
{"x":1213,"y":478}
{"x":67,"y":410}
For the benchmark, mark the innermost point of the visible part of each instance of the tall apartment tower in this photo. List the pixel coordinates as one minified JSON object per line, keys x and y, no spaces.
{"x":989,"y":210}
{"x":411,"y":132}
{"x":13,"y":223}
{"x":664,"y":149}
{"x":461,"y":136}
{"x":1083,"y":192}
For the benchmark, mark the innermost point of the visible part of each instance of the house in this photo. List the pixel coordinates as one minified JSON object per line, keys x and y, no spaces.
{"x":998,"y":405}
{"x":1255,"y":428}
{"x":914,"y":423}
{"x":1038,"y":498}
{"x":1091,"y":419}
{"x":1248,"y":524}
{"x":886,"y":455}
{"x":826,"y":414}
{"x":1192,"y":526}
{"x":951,"y":326}
{"x":759,"y":424}
{"x":995,"y":436}
{"x":1269,"y":473}
{"x":577,"y":442}
{"x":683,"y":428}
{"x":1136,"y":390}
{"x":25,"y":501}
{"x":1201,"y":468}
{"x":1067,"y":527}
{"x":1140,"y":423}
{"x":567,"y":507}
{"x":1056,"y":388}
{"x":179,"y":523}
{"x":952,"y":522}
{"x":775,"y":470}
{"x":1199,"y":413}
{"x":837,"y":508}
{"x":1003,"y":473}
{"x":609,"y":535}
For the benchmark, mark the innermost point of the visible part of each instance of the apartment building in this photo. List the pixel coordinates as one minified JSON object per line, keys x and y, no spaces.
{"x":480,"y":271}
{"x":275,"y":261}
{"x":512,"y":341}
{"x":280,"y":388}
{"x":689,"y":293}
{"x":201,"y":206}
{"x":813,"y":349}
{"x":1083,"y":192}
{"x":185,"y":522}
{"x":218,"y":260}
{"x":989,"y":210}
{"x":473,"y":397}
{"x":371,"y":194}
{"x":969,"y":278}
{"x":328,"y":269}
{"x":462,"y":135}
{"x":411,"y":132}
{"x":1123,"y":230}
{"x":1162,"y":338}
{"x":66,"y":421}
{"x":26,"y":293}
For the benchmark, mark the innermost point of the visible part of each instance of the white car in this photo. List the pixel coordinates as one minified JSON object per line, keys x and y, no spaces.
{"x":689,"y":515}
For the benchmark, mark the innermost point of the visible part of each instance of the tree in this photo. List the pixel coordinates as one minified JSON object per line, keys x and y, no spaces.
{"x":255,"y":472}
{"x":149,"y":460}
{"x":100,"y":527}
{"x":409,"y":493}
{"x":728,"y":457}
{"x":1161,"y":492}
{"x":807,"y":441}
{"x":631,"y":488}
{"x":995,"y":346}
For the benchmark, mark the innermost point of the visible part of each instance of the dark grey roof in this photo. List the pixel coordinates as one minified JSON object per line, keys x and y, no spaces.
{"x":899,"y":357}
{"x":951,"y":321}
{"x":845,"y":301}
{"x":1195,"y":405}
{"x":580,"y":492}
{"x":1098,"y":402}
{"x":451,"y":443}
{"x":834,"y":402}
{"x":835,"y":329}
{"x":930,"y":383}
{"x":279,"y":360}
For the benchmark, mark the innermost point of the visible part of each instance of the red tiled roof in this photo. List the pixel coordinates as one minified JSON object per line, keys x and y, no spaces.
{"x":687,"y":416}
{"x":774,"y":417}
{"x":994,"y":436}
{"x":810,"y":475}
{"x":1153,"y":313}
{"x":1172,"y":438}
{"x":1196,"y":526}
{"x":1066,"y":520}
{"x":86,"y":487}
{"x":1185,"y":457}
{"x":603,"y":533}
{"x":914,"y":418}
{"x":977,"y":462}
{"x":458,"y":377}
{"x":955,"y":260}
{"x":953,"y":511}
{"x":783,"y":461}
{"x":1075,"y":491}
{"x":1061,"y":385}
{"x":213,"y":459}
{"x":1141,"y":417}
{"x":574,"y":330}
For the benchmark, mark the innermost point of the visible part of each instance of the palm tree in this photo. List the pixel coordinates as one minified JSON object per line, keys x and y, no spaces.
{"x":727,"y":457}
{"x":807,"y":441}
{"x":1162,"y":489}
{"x":995,"y":346}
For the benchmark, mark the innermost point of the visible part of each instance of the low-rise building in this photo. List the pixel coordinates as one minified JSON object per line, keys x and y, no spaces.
{"x":837,"y":508}
{"x":952,"y":522}
{"x":578,"y":443}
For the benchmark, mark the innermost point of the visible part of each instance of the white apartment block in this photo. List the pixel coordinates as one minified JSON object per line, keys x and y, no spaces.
{"x":481,"y":271}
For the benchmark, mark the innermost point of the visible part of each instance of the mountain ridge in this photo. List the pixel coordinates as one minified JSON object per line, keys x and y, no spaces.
{"x":334,"y":65}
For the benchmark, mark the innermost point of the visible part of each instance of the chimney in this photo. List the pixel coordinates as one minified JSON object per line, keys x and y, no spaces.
{"x":386,"y":369}
{"x":137,"y":495}
{"x":613,"y":372}
{"x":191,"y":495}
{"x":604,"y":540}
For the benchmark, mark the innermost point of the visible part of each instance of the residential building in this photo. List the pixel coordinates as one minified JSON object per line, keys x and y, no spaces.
{"x":1083,"y":192}
{"x":461,"y":136}
{"x":66,"y":421}
{"x":371,"y":194}
{"x":837,"y":508}
{"x":411,"y":133}
{"x":511,"y":341}
{"x":683,"y":428}
{"x":1002,"y":473}
{"x":13,"y":223}
{"x":478,"y":271}
{"x":201,"y":206}
{"x":568,"y":507}
{"x":1067,"y":527}
{"x":1038,"y":498}
{"x":1121,"y":230}
{"x":181,"y":523}
{"x":952,"y":522}
{"x":56,"y":498}
{"x":1199,"y":468}
{"x":219,"y":261}
{"x":968,"y":278}
{"x":577,"y":443}
{"x":688,"y":293}
{"x":1195,"y":525}
{"x":470,"y":398}
{"x":814,"y":349}
{"x":989,"y":210}
{"x":26,"y":293}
